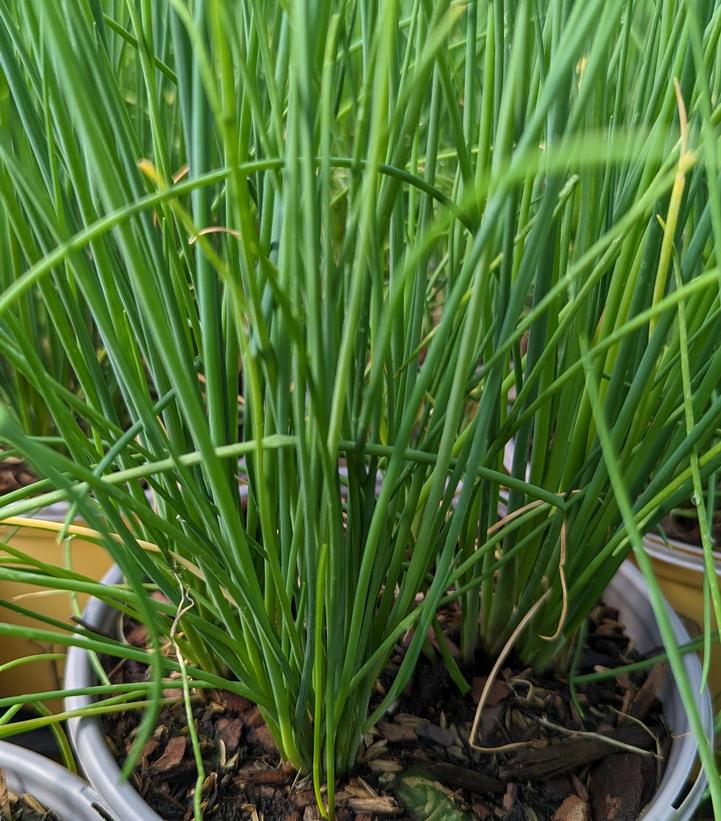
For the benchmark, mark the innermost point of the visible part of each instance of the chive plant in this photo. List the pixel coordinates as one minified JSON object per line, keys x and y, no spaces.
{"x":37,"y":322}
{"x":338,"y":255}
{"x":48,"y":331}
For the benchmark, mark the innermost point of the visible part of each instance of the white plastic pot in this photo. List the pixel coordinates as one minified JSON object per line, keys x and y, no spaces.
{"x":672,"y":802}
{"x":627,"y":592}
{"x":53,"y":786}
{"x":86,"y":734}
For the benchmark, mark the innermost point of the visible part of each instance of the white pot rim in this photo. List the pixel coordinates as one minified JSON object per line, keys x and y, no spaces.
{"x":627,"y":592}
{"x":56,"y":788}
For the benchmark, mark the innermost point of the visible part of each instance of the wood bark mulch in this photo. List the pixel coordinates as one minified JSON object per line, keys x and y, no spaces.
{"x":555,"y":763}
{"x":686,"y":529}
{"x":14,"y":474}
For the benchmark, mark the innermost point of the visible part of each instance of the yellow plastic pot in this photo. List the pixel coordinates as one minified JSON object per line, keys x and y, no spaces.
{"x":39,"y":539}
{"x":680,"y":572}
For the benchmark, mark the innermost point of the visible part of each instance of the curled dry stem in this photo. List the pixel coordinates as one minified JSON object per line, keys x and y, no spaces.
{"x":494,"y":673}
{"x":186,"y":603}
{"x":564,"y":588}
{"x":614,"y":742}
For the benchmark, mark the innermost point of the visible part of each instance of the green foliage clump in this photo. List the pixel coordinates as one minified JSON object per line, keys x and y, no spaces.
{"x":329,"y":259}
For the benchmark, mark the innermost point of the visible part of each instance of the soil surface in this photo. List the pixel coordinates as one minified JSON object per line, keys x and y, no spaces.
{"x":21,"y":807}
{"x":14,"y":474}
{"x":598,"y":759}
{"x":684,"y":527}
